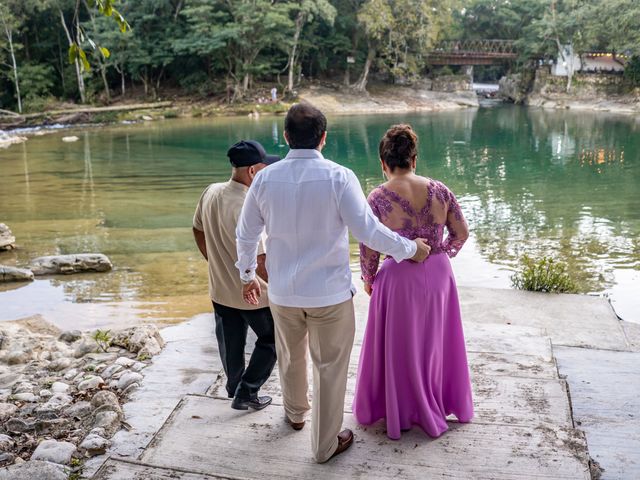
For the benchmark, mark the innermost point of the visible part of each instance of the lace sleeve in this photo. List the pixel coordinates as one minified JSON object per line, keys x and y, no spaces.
{"x":369,"y":259}
{"x":457,"y":228}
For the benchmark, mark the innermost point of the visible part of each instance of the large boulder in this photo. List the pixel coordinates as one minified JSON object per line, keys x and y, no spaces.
{"x":32,"y":470}
{"x":67,"y":264}
{"x":54,"y":451}
{"x":145,"y":340}
{"x":13,"y":274}
{"x":7,"y":240}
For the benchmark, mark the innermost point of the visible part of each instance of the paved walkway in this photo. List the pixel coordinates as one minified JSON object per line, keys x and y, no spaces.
{"x":525,"y":426}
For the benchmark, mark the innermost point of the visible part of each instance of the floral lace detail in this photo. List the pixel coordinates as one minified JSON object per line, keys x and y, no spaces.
{"x":413,"y":224}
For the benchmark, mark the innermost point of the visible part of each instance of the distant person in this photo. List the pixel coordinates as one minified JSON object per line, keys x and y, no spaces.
{"x":214,"y":227}
{"x":308,"y":205}
{"x":274,"y":94}
{"x":413,"y":364}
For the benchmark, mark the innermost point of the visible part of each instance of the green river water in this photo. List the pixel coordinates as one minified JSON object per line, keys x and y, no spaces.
{"x":529,"y":181}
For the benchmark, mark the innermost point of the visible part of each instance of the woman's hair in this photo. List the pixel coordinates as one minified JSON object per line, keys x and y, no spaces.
{"x":399,"y":146}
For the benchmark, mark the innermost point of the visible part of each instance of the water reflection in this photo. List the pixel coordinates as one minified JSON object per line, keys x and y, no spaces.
{"x":530,"y":181}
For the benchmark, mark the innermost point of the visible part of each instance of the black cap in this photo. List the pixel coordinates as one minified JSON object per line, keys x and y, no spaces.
{"x":249,"y":152}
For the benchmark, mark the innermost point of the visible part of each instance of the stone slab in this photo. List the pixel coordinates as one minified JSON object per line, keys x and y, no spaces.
{"x":114,"y":469}
{"x":513,"y":365}
{"x":204,"y":435}
{"x":507,"y":339}
{"x":571,"y":320}
{"x":605,"y":393}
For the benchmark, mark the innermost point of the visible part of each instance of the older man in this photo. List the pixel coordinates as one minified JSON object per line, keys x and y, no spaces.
{"x":307,"y":205}
{"x":214,"y":225}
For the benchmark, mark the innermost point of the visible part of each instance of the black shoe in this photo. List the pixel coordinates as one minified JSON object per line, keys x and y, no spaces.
{"x":257,"y":403}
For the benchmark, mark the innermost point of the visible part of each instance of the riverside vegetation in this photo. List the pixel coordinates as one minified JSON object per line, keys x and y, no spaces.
{"x":65,"y":51}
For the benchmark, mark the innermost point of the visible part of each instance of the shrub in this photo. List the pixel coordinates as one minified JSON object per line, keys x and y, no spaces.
{"x":632,"y":71}
{"x":103,"y":339}
{"x":543,"y":275}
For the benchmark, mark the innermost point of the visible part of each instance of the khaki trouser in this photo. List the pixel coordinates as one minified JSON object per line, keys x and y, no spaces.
{"x":328,"y":332}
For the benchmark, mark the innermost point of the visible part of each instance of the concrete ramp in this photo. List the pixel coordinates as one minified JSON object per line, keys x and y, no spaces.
{"x":204,"y":435}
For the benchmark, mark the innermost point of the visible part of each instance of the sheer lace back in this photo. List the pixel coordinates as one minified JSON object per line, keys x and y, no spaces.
{"x":440,"y":211}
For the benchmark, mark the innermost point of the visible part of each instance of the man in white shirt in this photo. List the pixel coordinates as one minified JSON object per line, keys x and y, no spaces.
{"x":308,"y":204}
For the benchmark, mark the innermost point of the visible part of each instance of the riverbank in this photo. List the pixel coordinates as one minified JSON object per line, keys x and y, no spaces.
{"x":334,"y":99}
{"x":526,"y":352}
{"x":61,"y":393}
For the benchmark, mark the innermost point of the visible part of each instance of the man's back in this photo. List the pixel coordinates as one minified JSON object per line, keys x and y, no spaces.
{"x":306,"y":203}
{"x":217,"y":216}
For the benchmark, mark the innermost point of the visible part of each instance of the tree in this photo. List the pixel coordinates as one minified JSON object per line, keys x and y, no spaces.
{"x":399,"y":33}
{"x":306,"y":11}
{"x":9,"y":23}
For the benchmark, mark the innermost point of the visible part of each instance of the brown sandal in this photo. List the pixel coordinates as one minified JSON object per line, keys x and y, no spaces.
{"x":345,"y":440}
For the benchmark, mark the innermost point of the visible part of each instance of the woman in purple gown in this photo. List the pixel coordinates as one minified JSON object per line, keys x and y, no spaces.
{"x":413,"y":364}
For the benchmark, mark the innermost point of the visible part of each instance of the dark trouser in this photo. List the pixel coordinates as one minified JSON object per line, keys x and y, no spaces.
{"x":231,"y":332}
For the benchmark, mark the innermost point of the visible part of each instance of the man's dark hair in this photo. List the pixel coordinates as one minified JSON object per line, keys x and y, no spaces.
{"x":304,"y":125}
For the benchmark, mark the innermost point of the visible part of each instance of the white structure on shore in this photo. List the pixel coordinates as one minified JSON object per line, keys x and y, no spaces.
{"x":590,"y":62}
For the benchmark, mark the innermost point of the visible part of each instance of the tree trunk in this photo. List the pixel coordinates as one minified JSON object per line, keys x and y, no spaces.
{"x":361,"y":84}
{"x":14,"y":65}
{"x":81,"y":88}
{"x":300,"y":20}
{"x":122,"y":84}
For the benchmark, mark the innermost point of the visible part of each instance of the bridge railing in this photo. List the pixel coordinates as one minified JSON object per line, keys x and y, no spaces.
{"x":489,"y":48}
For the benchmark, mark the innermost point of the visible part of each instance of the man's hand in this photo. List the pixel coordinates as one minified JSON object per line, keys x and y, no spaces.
{"x":368,"y":288}
{"x":423,"y":250}
{"x":251,"y":292}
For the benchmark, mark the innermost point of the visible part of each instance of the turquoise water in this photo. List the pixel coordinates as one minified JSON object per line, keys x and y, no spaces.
{"x":530,"y":181}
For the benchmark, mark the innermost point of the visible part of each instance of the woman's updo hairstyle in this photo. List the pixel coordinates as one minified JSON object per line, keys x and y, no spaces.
{"x":399,"y":146}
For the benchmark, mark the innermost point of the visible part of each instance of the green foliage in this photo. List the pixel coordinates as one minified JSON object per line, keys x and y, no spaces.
{"x":36,"y":80}
{"x":543,"y":275}
{"x":632,"y":71}
{"x":103,"y":339}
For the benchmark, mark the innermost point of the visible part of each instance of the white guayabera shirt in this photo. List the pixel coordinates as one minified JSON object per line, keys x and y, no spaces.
{"x":307,"y":204}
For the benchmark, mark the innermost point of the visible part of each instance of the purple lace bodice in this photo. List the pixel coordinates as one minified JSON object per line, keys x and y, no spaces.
{"x":440,"y":211}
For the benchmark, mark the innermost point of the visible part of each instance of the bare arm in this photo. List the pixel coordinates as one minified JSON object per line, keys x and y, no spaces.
{"x":201,"y":242}
{"x":261,"y":269}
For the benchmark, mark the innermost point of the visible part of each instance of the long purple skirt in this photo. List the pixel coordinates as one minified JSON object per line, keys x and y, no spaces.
{"x":413,"y":364}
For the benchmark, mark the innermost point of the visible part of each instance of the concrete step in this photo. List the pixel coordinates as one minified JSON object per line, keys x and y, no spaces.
{"x":204,"y":435}
{"x":605,"y":391}
{"x":570,"y":320}
{"x":118,"y":469}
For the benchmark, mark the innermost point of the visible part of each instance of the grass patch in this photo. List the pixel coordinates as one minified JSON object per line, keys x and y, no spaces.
{"x":543,"y":275}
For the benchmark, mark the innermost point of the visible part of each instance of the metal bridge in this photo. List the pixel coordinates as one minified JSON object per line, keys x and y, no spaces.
{"x":472,"y":52}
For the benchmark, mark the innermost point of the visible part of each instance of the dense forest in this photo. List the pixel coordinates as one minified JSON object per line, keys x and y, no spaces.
{"x":93,"y":51}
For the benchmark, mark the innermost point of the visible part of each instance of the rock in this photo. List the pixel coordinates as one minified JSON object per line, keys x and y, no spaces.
{"x":45,"y":393}
{"x":138,"y":366}
{"x":84,"y":348}
{"x":59,"y":364}
{"x":71,"y":374}
{"x":145,"y":340}
{"x":147,"y":118}
{"x":7,"y":410}
{"x":512,"y":88}
{"x":6,"y":458}
{"x":129,"y":378}
{"x":108,"y":420}
{"x":6,"y":442}
{"x":452,"y":83}
{"x":58,"y":400}
{"x":17,"y":425}
{"x":90,"y":383}
{"x":24,"y":397}
{"x":8,"y":380}
{"x":110,"y":371}
{"x":70,"y":138}
{"x":17,"y":357}
{"x":60,"y":387}
{"x":23,"y":387}
{"x":95,"y":444}
{"x":54,"y":451}
{"x":70,"y":336}
{"x":125,"y":362}
{"x":67,"y":264}
{"x":105,"y":397}
{"x":7,"y":239}
{"x":13,"y":274}
{"x":78,"y":410}
{"x":130,"y":389}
